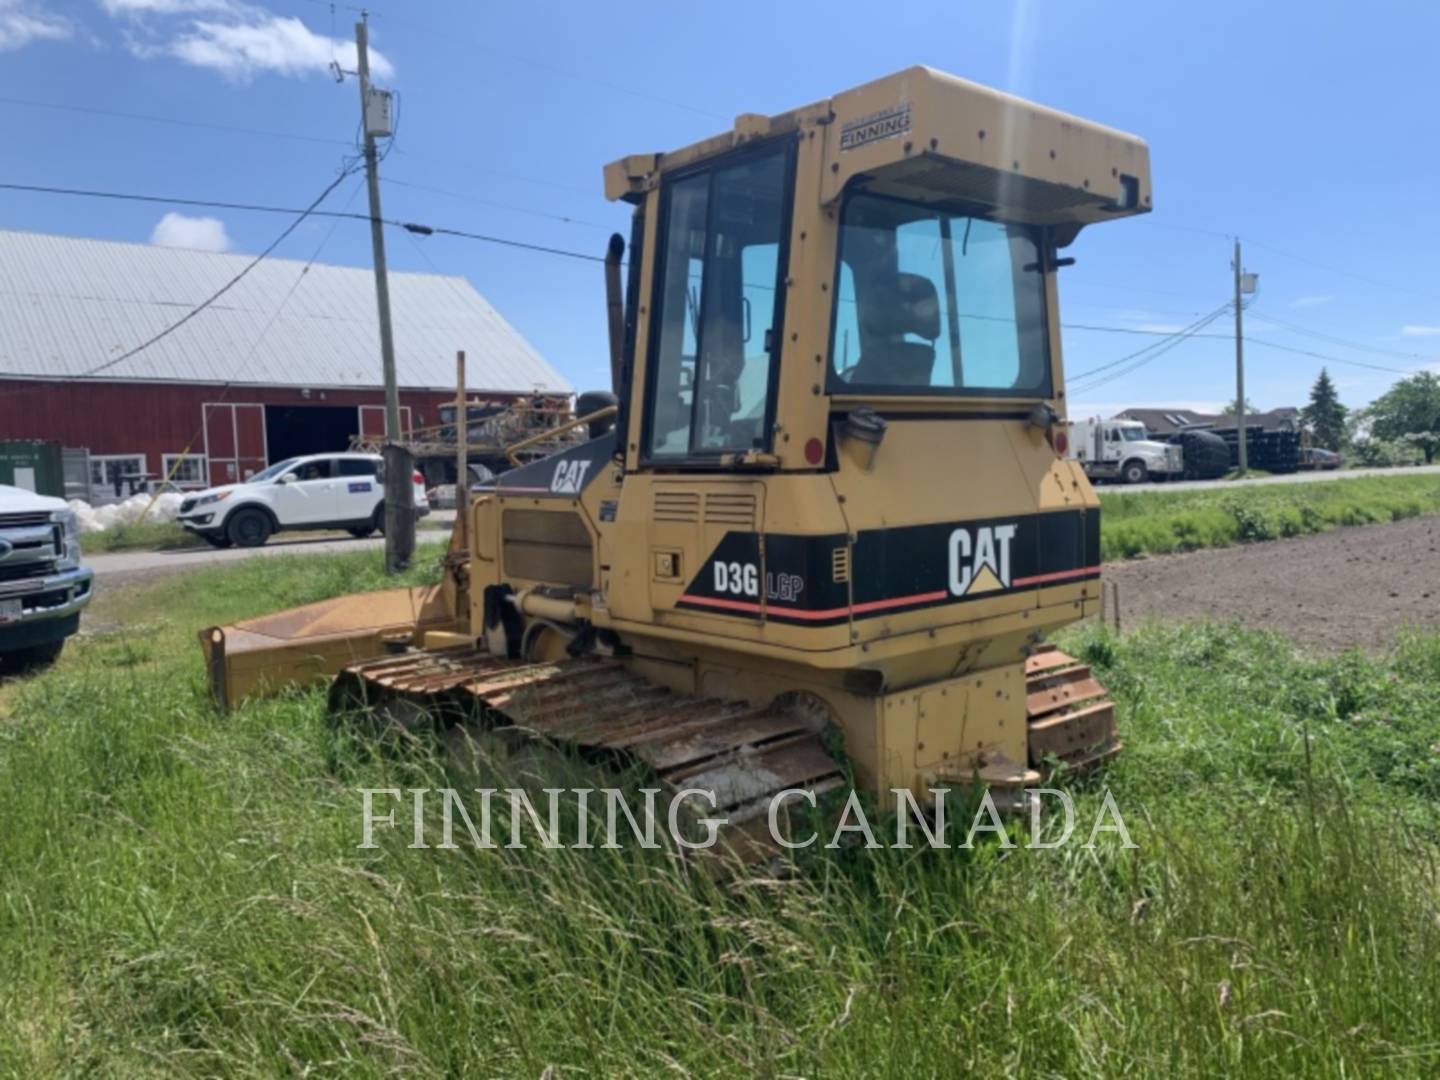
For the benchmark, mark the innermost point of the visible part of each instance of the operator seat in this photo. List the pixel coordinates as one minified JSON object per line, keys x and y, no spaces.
{"x":900,"y":305}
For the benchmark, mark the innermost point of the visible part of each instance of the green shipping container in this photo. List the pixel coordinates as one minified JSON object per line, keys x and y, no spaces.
{"x":33,"y":465}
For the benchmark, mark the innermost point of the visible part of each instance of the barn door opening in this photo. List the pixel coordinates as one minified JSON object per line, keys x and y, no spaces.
{"x":295,"y":430}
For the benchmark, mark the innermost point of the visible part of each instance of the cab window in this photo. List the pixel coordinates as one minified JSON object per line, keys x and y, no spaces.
{"x":317,"y":469}
{"x":356,"y":467}
{"x":930,"y":300}
{"x":719,"y":308}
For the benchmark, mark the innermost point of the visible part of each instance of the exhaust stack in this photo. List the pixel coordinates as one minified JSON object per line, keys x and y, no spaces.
{"x":615,"y":301}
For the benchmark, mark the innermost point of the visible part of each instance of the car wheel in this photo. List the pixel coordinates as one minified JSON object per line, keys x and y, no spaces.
{"x":362,"y":532}
{"x":1134,"y":472}
{"x":219,"y":540}
{"x":249,"y":528}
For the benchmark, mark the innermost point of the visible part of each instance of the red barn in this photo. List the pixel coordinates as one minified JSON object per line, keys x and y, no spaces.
{"x":285,"y":362}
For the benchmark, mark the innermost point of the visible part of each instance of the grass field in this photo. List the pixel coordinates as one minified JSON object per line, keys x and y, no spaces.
{"x":182,"y":892}
{"x":1158,"y":522}
{"x":140,"y":536}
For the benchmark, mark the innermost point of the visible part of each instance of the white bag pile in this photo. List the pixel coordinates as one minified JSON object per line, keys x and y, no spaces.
{"x":95,"y":519}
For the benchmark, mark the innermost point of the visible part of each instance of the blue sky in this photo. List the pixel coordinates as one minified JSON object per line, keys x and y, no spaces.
{"x":1308,"y":129}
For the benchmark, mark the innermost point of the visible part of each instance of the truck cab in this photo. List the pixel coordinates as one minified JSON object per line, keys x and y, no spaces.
{"x":43,"y":586}
{"x":1123,"y":450}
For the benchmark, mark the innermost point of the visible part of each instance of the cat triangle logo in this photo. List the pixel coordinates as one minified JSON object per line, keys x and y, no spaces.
{"x":983,"y":582}
{"x":980,"y":560}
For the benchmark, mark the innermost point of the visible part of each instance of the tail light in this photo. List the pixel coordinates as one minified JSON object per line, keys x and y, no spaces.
{"x":419,"y":478}
{"x":1061,"y":442}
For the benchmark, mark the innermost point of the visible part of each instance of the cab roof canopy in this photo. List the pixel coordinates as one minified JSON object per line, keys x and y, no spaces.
{"x":924,"y":135}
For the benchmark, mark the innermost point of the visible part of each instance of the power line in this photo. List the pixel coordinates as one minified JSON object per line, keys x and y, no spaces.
{"x":1388,"y":286}
{"x":231,"y":129}
{"x":1333,"y":340}
{"x":1186,"y":333}
{"x":1140,"y":331}
{"x":1155,"y":352}
{"x":410,"y":226}
{"x":488,"y":202}
{"x":1330,"y":359}
{"x":224,"y":288}
{"x":1189,"y":330}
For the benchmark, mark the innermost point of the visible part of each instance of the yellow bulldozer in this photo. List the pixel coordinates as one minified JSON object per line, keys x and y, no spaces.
{"x":833,"y":490}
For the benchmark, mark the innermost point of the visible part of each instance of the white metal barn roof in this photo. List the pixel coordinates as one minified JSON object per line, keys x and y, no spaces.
{"x":68,"y":305}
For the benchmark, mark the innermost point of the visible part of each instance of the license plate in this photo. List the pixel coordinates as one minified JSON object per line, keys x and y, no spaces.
{"x":10,"y":610}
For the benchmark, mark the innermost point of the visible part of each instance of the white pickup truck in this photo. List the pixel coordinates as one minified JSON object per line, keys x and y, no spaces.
{"x":42,"y":584}
{"x":1123,"y":450}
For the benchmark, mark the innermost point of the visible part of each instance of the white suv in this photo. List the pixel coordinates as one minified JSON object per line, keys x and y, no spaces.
{"x":320,"y":491}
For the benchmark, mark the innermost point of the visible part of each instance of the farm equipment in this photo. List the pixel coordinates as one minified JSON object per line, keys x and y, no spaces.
{"x":499,"y":435}
{"x":833,"y":494}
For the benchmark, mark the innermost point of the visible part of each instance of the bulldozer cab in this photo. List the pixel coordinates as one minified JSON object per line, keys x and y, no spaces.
{"x":893,"y":247}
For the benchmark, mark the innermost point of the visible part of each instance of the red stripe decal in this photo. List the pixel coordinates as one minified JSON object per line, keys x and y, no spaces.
{"x":829,"y":613}
{"x":1059,"y":575}
{"x":873,"y":605}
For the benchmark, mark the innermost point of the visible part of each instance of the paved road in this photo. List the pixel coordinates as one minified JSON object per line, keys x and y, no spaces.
{"x":1294,"y":478}
{"x":123,"y":567}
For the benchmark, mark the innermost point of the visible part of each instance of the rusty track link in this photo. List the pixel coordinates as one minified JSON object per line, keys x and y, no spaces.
{"x":742,"y":753}
{"x":1071,"y":717}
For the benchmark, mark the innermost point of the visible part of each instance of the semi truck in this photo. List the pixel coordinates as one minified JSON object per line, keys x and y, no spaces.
{"x":1123,"y":450}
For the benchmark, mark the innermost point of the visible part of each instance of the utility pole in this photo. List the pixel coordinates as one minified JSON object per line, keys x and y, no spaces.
{"x":462,"y":455}
{"x":399,"y":487}
{"x":1243,"y":461}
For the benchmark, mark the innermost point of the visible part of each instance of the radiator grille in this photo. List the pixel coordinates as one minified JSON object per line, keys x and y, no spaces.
{"x":731,"y":509}
{"x":673,"y":505}
{"x":840,"y":565}
{"x":547,"y":546}
{"x":24,"y":521}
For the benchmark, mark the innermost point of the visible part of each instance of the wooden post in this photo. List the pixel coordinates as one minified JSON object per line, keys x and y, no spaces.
{"x":462,"y":454}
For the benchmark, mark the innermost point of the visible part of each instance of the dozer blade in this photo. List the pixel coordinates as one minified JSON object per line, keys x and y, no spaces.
{"x":1071,"y":716}
{"x":311,"y":644}
{"x":743,"y":754}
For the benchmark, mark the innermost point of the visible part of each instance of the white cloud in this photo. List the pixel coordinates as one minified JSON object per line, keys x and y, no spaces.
{"x":198,"y":233}
{"x":22,"y":22}
{"x":1412,"y":330}
{"x":1311,"y":301}
{"x":235,"y":39}
{"x":1160,"y":327}
{"x":167,"y":7}
{"x":277,"y":43}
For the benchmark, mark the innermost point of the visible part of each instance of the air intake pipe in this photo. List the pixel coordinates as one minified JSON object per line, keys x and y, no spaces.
{"x":615,"y":302}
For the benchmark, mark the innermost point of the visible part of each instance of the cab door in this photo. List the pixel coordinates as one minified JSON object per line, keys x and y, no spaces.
{"x":310,"y":498}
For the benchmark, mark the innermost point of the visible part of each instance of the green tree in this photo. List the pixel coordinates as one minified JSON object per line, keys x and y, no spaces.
{"x":1410,"y":411}
{"x":1325,"y":416}
{"x":1229,"y":409}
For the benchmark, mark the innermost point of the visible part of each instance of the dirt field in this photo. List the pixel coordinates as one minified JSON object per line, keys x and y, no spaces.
{"x":1328,"y":591}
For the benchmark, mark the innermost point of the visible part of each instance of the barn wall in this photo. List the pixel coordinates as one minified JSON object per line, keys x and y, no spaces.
{"x":157,"y":419}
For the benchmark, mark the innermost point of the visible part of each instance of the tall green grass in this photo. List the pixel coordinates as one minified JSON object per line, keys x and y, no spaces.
{"x":182,"y":892}
{"x":1158,"y":522}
